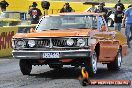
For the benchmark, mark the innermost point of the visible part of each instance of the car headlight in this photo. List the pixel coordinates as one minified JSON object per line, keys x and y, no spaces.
{"x":31,"y":43}
{"x":91,"y":41}
{"x":70,"y":42}
{"x":20,"y":44}
{"x":81,"y":42}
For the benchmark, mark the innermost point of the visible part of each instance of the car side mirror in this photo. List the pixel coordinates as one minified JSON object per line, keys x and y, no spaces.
{"x":103,"y":28}
{"x":32,"y":30}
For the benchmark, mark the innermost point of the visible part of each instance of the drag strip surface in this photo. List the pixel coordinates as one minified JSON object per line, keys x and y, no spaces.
{"x":45,"y":77}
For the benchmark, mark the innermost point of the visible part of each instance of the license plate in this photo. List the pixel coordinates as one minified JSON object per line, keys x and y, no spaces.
{"x":51,"y":55}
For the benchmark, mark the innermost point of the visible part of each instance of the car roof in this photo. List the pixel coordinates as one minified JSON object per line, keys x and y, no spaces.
{"x":76,"y":13}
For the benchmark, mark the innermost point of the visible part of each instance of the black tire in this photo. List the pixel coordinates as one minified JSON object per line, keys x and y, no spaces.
{"x":91,"y":64}
{"x":110,"y":22}
{"x":117,"y":62}
{"x":25,"y":67}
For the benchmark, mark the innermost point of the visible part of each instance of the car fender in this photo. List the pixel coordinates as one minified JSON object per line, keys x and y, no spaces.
{"x":108,"y":50}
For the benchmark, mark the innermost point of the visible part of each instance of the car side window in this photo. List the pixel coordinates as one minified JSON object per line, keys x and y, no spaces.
{"x":91,"y":22}
{"x":100,"y":22}
{"x":95,"y":22}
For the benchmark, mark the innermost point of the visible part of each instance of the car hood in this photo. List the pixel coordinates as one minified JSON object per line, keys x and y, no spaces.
{"x":55,"y":33}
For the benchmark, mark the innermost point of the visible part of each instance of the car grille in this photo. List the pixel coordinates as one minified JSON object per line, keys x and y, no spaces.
{"x":53,"y":42}
{"x":42,"y":43}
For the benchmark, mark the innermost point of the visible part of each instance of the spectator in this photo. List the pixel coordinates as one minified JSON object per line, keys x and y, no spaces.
{"x":35,"y":13}
{"x":118,"y":16}
{"x":3,"y":5}
{"x":66,"y":8}
{"x":120,"y":4}
{"x":45,"y":5}
{"x":92,"y":9}
{"x":127,"y":20}
{"x":103,"y":10}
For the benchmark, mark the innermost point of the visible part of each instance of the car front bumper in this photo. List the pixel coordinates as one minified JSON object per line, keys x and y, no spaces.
{"x":23,"y":54}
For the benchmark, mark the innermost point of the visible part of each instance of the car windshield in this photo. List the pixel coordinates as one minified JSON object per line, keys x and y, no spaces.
{"x":67,"y":21}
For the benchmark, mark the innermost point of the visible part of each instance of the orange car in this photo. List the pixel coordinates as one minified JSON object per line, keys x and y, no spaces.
{"x":76,"y":39}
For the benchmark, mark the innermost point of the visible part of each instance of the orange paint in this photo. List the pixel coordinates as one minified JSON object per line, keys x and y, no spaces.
{"x":54,"y":33}
{"x":66,"y":60}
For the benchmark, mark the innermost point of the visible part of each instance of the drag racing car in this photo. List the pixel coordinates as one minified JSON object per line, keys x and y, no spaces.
{"x":76,"y":39}
{"x":14,"y":15}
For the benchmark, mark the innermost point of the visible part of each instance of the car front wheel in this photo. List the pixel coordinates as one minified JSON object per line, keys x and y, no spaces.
{"x":25,"y":67}
{"x":91,"y":64}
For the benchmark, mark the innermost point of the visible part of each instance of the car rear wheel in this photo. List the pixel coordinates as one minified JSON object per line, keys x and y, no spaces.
{"x":117,"y":62}
{"x":25,"y":67}
{"x":91,"y":64}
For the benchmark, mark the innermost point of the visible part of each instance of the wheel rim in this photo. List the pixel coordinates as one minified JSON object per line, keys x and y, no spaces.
{"x":94,"y":63}
{"x":119,"y":59}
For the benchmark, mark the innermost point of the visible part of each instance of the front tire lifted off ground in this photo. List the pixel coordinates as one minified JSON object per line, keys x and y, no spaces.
{"x":25,"y":66}
{"x":91,"y":64}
